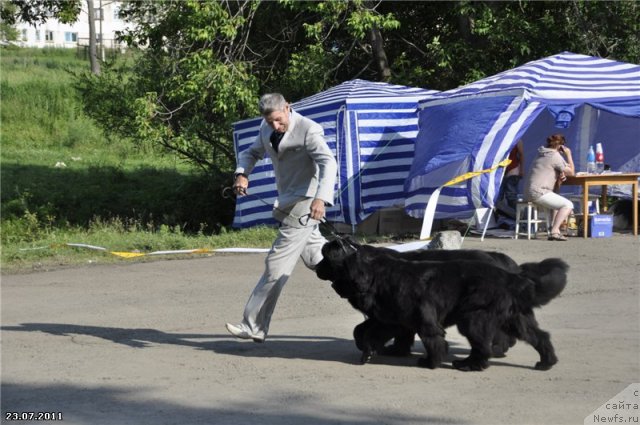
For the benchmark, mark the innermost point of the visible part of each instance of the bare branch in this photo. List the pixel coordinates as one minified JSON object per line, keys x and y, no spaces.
{"x":422,"y":52}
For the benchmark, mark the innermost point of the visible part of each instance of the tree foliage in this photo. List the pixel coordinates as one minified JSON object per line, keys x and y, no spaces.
{"x":7,"y":30}
{"x":188,"y":84}
{"x":202,"y":64}
{"x":442,"y":45}
{"x":340,"y":38}
{"x":35,"y":11}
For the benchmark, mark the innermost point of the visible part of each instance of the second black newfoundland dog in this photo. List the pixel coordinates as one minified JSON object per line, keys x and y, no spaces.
{"x":484,"y":300}
{"x":372,"y":335}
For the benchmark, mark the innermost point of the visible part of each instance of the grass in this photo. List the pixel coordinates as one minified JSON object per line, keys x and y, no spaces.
{"x":40,"y":109}
{"x":49,"y":249}
{"x":64,"y":181}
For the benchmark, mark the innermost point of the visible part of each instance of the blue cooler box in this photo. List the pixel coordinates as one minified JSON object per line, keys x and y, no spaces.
{"x":601,"y":226}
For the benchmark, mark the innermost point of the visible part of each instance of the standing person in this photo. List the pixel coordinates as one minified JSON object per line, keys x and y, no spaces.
{"x":513,"y":174}
{"x":548,"y":170}
{"x":305,"y":171}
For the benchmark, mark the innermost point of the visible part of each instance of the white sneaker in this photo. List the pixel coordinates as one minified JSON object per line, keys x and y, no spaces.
{"x":239,"y":332}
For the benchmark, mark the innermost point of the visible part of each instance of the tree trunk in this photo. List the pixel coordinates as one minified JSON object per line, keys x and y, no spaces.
{"x":93,"y":56}
{"x":379,"y":55}
{"x":464,"y":27}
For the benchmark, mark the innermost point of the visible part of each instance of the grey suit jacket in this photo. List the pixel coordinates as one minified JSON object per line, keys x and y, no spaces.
{"x":304,"y":166}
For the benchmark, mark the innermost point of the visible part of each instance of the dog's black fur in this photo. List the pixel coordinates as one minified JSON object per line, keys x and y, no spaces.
{"x":377,"y":334}
{"x":425,"y":297}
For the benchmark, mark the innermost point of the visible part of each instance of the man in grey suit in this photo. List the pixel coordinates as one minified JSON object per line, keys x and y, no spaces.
{"x":305,"y":171}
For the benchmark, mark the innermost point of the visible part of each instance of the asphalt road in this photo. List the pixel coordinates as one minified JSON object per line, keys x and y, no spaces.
{"x":145,"y":343}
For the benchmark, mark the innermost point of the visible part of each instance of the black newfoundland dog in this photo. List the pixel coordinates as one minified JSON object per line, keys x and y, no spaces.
{"x":377,"y":334}
{"x":487,"y":301}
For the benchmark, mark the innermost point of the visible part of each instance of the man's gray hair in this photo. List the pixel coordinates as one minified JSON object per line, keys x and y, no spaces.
{"x":271,"y":102}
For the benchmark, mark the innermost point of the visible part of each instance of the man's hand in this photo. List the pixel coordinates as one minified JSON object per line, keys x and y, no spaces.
{"x":240,"y":185}
{"x":317,"y":209}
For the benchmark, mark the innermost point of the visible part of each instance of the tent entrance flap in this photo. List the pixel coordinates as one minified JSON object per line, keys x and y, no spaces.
{"x":450,"y":143}
{"x":504,"y":134}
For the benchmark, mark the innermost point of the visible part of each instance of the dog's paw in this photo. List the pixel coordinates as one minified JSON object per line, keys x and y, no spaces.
{"x":395,"y":351}
{"x":498,"y":351}
{"x":547,"y":362}
{"x":544,"y":366}
{"x":467,"y":365}
{"x":428,"y":363}
{"x":366,"y":357}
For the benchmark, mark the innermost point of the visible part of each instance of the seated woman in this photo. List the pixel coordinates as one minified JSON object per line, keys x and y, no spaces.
{"x":548,"y":169}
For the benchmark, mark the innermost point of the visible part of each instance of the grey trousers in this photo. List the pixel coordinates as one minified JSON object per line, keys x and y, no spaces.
{"x":291,"y":243}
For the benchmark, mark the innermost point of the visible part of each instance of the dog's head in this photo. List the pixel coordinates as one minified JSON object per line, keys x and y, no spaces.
{"x":334,"y":256}
{"x":347,"y":265}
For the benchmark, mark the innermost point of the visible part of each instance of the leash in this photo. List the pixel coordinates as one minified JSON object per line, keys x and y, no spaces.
{"x":345,"y":243}
{"x":229,"y":193}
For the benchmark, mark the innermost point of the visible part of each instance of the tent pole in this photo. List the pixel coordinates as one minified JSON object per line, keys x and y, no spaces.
{"x":486,"y":224}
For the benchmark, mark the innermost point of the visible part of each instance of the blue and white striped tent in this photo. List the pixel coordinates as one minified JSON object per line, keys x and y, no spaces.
{"x":370,"y":126}
{"x":473,"y":127}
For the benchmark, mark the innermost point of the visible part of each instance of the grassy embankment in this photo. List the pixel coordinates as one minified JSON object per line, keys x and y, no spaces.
{"x":64,"y":181}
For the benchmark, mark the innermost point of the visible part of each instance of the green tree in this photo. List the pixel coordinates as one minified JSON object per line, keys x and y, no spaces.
{"x":36,"y":11}
{"x":342,"y":40}
{"x":202,"y":64}
{"x":8,"y":32}
{"x":187,"y":85}
{"x":442,"y":45}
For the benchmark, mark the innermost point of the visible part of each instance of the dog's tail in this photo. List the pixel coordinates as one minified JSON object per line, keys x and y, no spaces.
{"x":549,"y":277}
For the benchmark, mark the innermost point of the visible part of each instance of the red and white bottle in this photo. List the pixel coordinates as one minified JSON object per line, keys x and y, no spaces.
{"x":599,"y":158}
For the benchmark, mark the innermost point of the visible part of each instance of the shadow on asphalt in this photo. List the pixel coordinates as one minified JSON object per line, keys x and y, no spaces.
{"x":318,"y":348}
{"x":281,"y":346}
{"x":99,"y":405}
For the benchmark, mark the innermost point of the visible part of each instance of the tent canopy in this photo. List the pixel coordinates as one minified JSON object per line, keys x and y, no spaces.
{"x":371,"y":128}
{"x":473,"y":127}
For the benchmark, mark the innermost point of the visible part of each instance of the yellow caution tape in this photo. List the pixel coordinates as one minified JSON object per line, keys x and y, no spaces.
{"x":187,"y":251}
{"x":131,"y":254}
{"x":430,"y":209}
{"x":127,"y":254}
{"x":471,"y":174}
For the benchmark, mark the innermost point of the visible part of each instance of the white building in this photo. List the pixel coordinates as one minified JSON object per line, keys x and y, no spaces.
{"x":53,"y":33}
